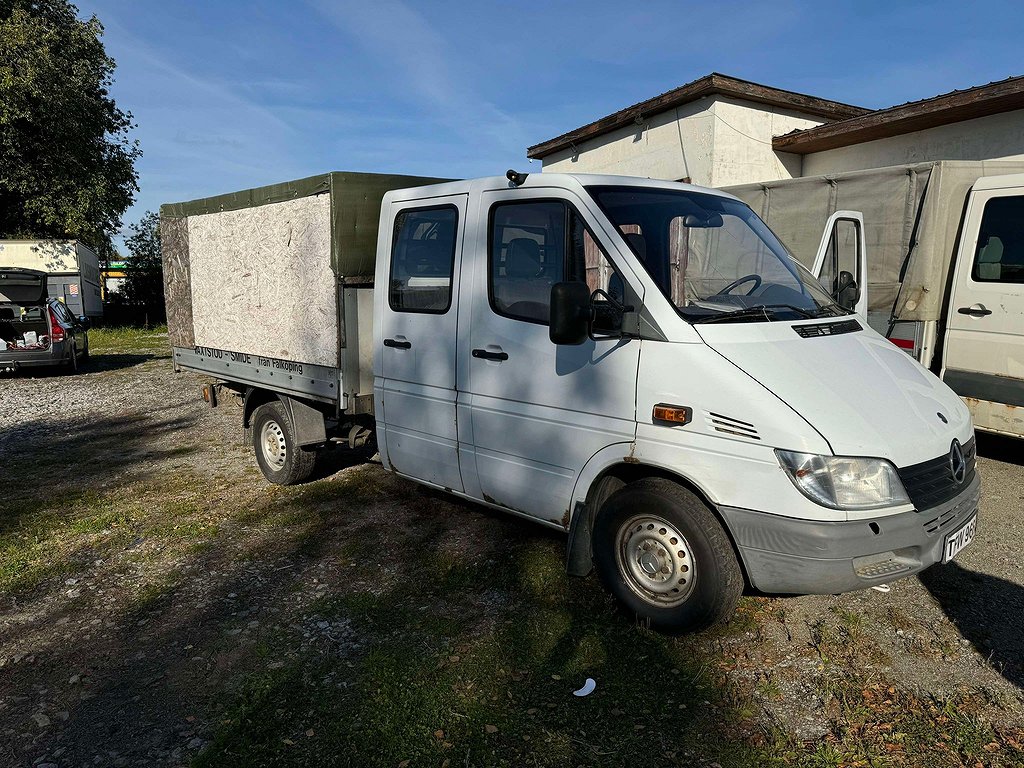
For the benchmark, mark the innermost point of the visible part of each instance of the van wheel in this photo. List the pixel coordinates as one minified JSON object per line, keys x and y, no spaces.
{"x":666,"y":557}
{"x":273,"y":439}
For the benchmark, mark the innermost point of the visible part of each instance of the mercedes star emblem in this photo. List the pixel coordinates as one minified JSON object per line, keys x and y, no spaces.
{"x":957,"y":463}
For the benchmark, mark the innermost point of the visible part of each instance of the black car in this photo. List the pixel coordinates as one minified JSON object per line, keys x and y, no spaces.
{"x":36,"y":330}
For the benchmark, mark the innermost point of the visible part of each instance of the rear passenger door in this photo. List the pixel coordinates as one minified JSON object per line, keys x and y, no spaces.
{"x":416,"y":340}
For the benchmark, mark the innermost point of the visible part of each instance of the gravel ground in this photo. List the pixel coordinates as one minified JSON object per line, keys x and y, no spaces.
{"x":124,"y":644}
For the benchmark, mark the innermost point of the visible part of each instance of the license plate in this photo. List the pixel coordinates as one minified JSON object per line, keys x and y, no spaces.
{"x":959,"y":539}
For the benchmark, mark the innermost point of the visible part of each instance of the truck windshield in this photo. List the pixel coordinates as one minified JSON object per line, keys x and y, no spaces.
{"x":712,"y":257}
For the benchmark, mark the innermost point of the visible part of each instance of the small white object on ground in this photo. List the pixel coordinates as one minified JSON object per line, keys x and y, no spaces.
{"x":587,"y":689}
{"x":882,"y":588}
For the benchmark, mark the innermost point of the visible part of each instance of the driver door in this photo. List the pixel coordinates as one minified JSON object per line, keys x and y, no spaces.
{"x":841,"y":264}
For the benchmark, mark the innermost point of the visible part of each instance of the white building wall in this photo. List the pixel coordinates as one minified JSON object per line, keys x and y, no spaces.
{"x":670,"y":145}
{"x":713,"y":141}
{"x":996,"y":137}
{"x":743,"y":142}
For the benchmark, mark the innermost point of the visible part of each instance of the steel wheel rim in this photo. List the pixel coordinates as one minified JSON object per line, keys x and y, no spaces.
{"x":273,"y":444}
{"x":655,"y":560}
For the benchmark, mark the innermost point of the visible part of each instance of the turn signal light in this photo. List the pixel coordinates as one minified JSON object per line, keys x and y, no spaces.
{"x":672,"y":414}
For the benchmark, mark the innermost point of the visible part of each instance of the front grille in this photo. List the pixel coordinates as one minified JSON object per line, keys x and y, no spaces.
{"x":827,"y":329}
{"x":931,"y":482}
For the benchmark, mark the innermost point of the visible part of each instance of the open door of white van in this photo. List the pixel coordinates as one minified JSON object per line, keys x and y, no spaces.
{"x":841,"y":264}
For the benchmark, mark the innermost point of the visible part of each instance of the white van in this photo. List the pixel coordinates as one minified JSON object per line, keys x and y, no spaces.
{"x":641,"y":364}
{"x":932,"y":255}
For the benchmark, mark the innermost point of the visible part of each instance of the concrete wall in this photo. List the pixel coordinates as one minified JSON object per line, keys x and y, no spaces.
{"x":713,"y":141}
{"x":996,"y":137}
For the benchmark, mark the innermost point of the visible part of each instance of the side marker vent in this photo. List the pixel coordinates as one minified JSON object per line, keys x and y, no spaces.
{"x":731,"y":426}
{"x":828,"y":329}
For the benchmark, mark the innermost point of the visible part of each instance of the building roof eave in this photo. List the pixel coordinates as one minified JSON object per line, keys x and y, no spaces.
{"x":713,"y":84}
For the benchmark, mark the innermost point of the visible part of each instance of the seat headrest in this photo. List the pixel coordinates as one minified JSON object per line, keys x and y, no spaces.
{"x":992,"y":252}
{"x":523,"y":258}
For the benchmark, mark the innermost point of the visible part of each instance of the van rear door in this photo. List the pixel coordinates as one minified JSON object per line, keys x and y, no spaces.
{"x":984,"y":350}
{"x":841,"y":262}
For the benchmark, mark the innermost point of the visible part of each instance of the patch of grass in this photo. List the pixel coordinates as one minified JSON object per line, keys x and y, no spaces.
{"x":126,"y":339}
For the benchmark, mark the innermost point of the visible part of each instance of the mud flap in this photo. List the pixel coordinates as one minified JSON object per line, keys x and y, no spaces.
{"x":579,"y":559}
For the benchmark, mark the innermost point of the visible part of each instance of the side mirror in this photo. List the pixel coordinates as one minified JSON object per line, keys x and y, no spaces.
{"x":848,"y":292}
{"x":570,"y":313}
{"x":85,"y":322}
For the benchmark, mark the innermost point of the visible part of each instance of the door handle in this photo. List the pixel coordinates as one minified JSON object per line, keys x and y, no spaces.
{"x":485,"y":354}
{"x":975,"y":310}
{"x":397,"y":344}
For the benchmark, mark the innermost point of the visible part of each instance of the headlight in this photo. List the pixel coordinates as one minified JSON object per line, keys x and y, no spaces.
{"x":844,"y":482}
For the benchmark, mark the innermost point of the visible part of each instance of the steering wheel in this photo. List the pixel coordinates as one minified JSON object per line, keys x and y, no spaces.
{"x":756,"y":279}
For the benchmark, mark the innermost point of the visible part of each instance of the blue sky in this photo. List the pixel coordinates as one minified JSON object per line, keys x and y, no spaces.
{"x":230,"y":94}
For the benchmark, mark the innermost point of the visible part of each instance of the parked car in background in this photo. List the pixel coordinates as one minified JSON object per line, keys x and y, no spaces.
{"x":36,"y":330}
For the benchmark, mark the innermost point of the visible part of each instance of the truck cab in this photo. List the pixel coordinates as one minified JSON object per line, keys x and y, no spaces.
{"x":643,"y":365}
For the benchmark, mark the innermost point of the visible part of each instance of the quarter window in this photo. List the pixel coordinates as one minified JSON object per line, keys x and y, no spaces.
{"x":999,"y":255}
{"x":423,"y":260}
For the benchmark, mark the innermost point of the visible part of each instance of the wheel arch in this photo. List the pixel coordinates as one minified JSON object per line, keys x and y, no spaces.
{"x":597,"y":483}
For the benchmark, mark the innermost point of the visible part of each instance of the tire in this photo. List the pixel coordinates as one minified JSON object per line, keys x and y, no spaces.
{"x":72,"y":362}
{"x":85,"y":352}
{"x":664,"y":555}
{"x":273,"y":439}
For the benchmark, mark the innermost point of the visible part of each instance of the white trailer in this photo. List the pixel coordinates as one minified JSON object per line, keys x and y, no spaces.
{"x":72,"y":269}
{"x":638,"y":363}
{"x":936,"y":253}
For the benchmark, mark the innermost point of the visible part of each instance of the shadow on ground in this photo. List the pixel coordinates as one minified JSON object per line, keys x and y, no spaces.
{"x":988,"y":612}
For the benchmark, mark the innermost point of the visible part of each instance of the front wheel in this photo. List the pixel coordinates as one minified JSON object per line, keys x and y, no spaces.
{"x":280,"y":459}
{"x":666,"y":557}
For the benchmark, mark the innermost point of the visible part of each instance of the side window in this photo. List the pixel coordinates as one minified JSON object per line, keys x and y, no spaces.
{"x":999,"y":257}
{"x":527,"y":257}
{"x":423,"y":260}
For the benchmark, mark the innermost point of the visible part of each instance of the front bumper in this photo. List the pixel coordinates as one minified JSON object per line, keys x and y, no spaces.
{"x":784,"y":555}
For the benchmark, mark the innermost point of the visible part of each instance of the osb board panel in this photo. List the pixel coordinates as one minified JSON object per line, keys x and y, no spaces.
{"x":262,"y":281}
{"x":177,"y":287}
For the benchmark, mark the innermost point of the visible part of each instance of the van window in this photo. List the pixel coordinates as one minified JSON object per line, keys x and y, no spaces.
{"x":423,"y":260}
{"x":527,"y":257}
{"x":529,"y":244}
{"x":999,"y":255}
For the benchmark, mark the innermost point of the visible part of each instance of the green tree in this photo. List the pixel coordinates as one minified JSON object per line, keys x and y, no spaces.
{"x":143,"y":287}
{"x":67,"y":164}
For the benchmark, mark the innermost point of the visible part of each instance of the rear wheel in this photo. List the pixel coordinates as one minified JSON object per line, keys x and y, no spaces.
{"x":666,"y":557}
{"x":72,"y":362}
{"x":280,"y":459}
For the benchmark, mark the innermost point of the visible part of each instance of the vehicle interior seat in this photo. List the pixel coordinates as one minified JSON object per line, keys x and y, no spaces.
{"x":990,"y":260}
{"x":525,"y":290}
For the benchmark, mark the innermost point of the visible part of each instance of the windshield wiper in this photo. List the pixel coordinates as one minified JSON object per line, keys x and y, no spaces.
{"x":761,"y":310}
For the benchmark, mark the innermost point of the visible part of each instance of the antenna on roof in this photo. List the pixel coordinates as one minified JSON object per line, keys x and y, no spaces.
{"x":516,"y":177}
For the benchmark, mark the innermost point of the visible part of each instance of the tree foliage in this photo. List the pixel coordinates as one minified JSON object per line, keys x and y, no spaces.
{"x":143,"y":286}
{"x":67,"y":164}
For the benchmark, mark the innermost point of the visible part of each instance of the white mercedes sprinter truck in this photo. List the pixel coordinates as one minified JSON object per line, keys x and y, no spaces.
{"x":638,"y":363}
